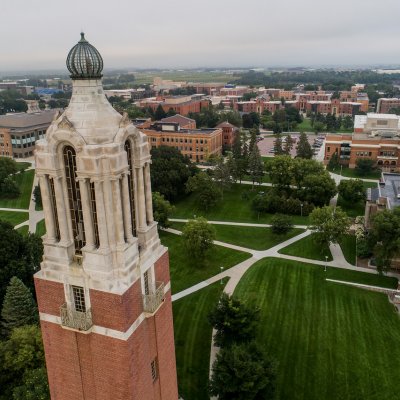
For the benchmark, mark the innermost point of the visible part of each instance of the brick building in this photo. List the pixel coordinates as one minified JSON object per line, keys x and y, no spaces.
{"x":182,"y":105}
{"x":24,"y":129}
{"x":103,"y":291}
{"x":228,"y":133}
{"x":385,"y":105}
{"x":197,"y":144}
{"x":5,"y":143}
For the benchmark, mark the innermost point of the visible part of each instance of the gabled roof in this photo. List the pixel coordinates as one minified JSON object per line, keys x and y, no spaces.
{"x":225,"y":124}
{"x":178,"y":119}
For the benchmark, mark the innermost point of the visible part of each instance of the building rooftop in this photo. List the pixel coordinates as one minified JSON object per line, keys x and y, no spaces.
{"x":391,"y":189}
{"x":179,"y":119}
{"x":25,"y":120}
{"x":225,"y":124}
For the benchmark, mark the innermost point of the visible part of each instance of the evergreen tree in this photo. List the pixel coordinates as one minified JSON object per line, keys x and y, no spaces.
{"x":232,"y":166}
{"x":278,"y":145}
{"x":303,"y":149}
{"x":222,"y":174}
{"x":253,"y":138}
{"x":19,"y":307}
{"x":288,"y":146}
{"x":334,"y":162}
{"x":160,"y":113}
{"x":237,"y":146}
{"x":256,"y":165}
{"x":37,"y":196}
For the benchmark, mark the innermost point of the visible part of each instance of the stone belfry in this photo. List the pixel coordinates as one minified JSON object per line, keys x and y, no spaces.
{"x":103,"y":289}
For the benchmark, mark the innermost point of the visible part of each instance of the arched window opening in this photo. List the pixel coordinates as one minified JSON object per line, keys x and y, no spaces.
{"x":94,"y":215}
{"x":74,"y":199}
{"x":54,"y":209}
{"x":131,"y":184}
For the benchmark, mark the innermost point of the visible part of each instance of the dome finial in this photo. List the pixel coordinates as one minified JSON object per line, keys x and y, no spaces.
{"x":84,"y":61}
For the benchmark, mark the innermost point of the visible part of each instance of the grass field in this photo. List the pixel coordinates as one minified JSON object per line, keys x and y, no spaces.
{"x":41,"y":228}
{"x":348,"y":246}
{"x":23,"y":165}
{"x":187,"y":76}
{"x":185,"y":274}
{"x":307,"y":248}
{"x":331,"y":341}
{"x":24,"y":182}
{"x":23,"y":230}
{"x":352,"y":173}
{"x":14,"y":218}
{"x":251,"y":237}
{"x":193,"y":341}
{"x":232,"y":208}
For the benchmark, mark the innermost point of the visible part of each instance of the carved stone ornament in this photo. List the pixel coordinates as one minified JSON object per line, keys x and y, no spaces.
{"x":65,"y":123}
{"x":125,"y":121}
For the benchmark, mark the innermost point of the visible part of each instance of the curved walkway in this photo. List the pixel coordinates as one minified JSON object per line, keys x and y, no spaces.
{"x":34,"y":216}
{"x":236,"y":272}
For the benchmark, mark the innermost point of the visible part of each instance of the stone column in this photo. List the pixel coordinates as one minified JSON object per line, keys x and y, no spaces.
{"x":149,"y":200}
{"x":101,"y":215}
{"x":118,"y":217}
{"x":108,"y":201}
{"x":141,"y":198}
{"x":49,"y":214}
{"x":87,"y":213}
{"x":61,"y":209}
{"x":126,"y":207}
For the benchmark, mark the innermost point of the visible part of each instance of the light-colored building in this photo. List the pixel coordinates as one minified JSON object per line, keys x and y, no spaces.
{"x":103,"y":290}
{"x":377,"y":124}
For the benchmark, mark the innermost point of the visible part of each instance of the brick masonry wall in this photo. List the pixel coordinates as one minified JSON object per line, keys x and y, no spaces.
{"x":115,"y":311}
{"x":98,"y":367}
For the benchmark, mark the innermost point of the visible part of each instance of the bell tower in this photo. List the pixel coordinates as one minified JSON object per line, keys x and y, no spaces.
{"x":103,"y":289}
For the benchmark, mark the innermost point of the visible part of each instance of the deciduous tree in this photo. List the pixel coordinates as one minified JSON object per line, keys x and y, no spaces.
{"x":329,"y":224}
{"x":198,"y":236}
{"x":234,"y":321}
{"x":162,"y":209}
{"x":206,"y":190}
{"x":243,"y":372}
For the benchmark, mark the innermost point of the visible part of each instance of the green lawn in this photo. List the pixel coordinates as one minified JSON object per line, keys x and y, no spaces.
{"x":251,"y":237}
{"x":348,"y":246}
{"x":331,"y":341}
{"x":23,"y":165}
{"x":193,"y":341}
{"x":184,"y":274}
{"x":305,"y":126}
{"x":307,"y":248}
{"x":24,"y":182}
{"x":14,"y":218}
{"x":23,"y":230}
{"x":352,"y":173}
{"x":232,"y":208}
{"x":41,"y":228}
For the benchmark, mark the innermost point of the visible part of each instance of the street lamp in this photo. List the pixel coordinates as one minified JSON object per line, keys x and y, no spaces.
{"x":222,"y":268}
{"x":341,"y":167}
{"x":301,"y":209}
{"x":326,"y":262}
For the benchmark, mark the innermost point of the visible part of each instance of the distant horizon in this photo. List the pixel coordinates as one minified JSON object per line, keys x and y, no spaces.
{"x":127,"y":69}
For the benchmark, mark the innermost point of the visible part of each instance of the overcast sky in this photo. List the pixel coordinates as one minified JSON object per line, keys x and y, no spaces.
{"x":37,"y":34}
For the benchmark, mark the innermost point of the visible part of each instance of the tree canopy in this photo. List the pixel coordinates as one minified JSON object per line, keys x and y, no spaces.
{"x":170,"y":171}
{"x":329,"y":224}
{"x":234,"y":321}
{"x":243,"y":372}
{"x":198,"y":236}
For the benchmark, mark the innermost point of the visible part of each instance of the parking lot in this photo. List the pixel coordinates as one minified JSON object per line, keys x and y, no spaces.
{"x":266,"y":145}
